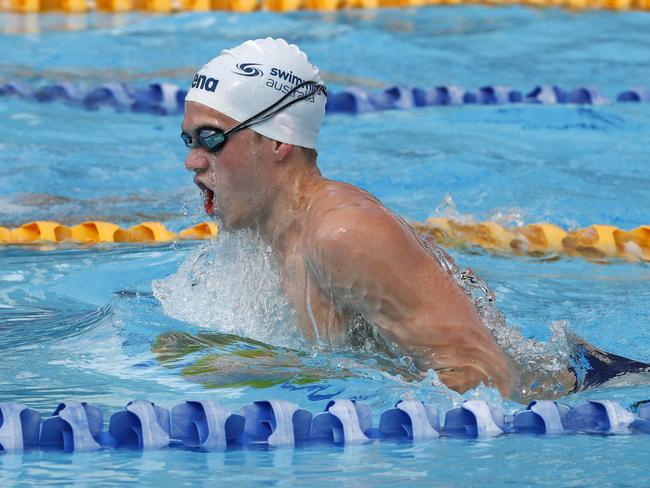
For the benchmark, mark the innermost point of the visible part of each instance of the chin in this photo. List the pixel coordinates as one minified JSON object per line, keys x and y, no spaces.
{"x":227,"y":222}
{"x":236,"y":222}
{"x":235,"y":225}
{"x":217,"y":220}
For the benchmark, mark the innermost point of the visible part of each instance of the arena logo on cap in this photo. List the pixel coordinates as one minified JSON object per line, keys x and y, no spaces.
{"x":202,"y":82}
{"x":249,"y":69}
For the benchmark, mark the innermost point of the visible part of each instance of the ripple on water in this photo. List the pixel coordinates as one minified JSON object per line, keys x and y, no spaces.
{"x":25,"y":327}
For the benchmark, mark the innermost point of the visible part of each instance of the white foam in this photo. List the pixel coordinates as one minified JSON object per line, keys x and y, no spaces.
{"x":232,"y":285}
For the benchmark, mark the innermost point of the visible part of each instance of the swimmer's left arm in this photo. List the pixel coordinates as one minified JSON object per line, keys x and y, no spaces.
{"x":371,"y":262}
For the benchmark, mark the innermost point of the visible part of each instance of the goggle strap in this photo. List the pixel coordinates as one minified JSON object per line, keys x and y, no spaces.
{"x":268,"y":112}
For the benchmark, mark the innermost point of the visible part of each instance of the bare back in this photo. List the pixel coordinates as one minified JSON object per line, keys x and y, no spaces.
{"x":350,"y":255}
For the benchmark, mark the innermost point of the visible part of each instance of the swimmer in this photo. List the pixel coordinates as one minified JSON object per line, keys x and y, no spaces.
{"x":252,"y":117}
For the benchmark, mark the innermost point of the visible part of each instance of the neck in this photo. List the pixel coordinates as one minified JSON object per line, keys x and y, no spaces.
{"x":288,"y":204}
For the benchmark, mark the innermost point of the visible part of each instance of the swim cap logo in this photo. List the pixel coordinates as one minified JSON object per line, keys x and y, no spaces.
{"x":285,"y":81}
{"x":286,"y":75}
{"x":248,"y":69}
{"x":204,"y":83}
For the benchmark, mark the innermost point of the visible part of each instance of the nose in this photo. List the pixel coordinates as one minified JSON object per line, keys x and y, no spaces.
{"x":196,"y":161}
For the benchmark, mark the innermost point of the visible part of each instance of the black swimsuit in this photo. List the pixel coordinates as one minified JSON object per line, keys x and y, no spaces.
{"x":594,"y":367}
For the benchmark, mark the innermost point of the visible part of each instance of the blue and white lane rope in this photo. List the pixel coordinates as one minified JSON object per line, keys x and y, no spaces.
{"x":167,"y":99}
{"x":79,"y":426}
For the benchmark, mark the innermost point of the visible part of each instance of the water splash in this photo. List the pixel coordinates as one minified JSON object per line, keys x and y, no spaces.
{"x":447,"y":208}
{"x":512,"y":216}
{"x":232,"y":285}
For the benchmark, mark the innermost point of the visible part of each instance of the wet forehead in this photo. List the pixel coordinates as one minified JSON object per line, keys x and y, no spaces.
{"x":198,"y":115}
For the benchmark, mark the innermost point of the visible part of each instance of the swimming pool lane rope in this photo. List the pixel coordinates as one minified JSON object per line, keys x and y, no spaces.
{"x":207,"y":425}
{"x":168,"y":99}
{"x":169,"y":6}
{"x":543,"y":240}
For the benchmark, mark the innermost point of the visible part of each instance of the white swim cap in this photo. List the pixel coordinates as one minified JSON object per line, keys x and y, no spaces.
{"x":245,"y":80}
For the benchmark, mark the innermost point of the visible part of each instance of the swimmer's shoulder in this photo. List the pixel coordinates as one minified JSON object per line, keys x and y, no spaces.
{"x":347,"y":223}
{"x":332,"y":194}
{"x":340,"y":208}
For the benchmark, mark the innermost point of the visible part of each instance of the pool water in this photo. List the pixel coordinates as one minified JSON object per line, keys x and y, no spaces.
{"x":195,"y":320}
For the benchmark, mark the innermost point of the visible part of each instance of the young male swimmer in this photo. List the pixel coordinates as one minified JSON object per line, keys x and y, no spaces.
{"x":252,"y":116}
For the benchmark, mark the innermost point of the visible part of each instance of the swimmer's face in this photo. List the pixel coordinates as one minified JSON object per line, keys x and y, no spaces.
{"x":233,"y":180}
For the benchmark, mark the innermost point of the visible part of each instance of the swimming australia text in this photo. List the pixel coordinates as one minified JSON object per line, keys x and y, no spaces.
{"x":204,"y":83}
{"x":291,"y":81}
{"x":286,"y":75}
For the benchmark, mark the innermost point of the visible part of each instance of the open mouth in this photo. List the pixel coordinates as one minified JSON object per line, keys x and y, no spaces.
{"x":208,"y":198}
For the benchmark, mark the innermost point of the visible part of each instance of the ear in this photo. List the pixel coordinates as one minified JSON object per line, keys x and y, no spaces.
{"x":281,"y":150}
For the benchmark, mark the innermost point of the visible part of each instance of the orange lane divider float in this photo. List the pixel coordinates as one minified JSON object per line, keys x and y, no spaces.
{"x":97,"y":231}
{"x":168,"y":6}
{"x":596,"y":242}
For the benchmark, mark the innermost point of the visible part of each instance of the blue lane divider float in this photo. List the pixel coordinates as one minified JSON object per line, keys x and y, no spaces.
{"x":19,"y":427}
{"x":156,"y":98}
{"x":141,"y":424}
{"x":600,"y":416}
{"x":168,"y":99}
{"x":542,"y":417}
{"x":206,"y":425}
{"x":410,"y":419}
{"x":475,"y":418}
{"x":343,"y":421}
{"x":276,"y":422}
{"x":74,"y":426}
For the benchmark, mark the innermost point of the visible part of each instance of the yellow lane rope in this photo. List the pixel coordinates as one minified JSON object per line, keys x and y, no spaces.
{"x":93,"y":232}
{"x":596,"y":242}
{"x":168,"y":6}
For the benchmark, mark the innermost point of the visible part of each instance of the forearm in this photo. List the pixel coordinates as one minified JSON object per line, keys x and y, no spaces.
{"x":461,"y":365}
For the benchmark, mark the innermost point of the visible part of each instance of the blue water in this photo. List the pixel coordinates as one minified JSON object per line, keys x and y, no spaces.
{"x":82,"y":323}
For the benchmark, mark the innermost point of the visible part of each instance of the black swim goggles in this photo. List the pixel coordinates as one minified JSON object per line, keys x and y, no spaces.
{"x":212,"y":139}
